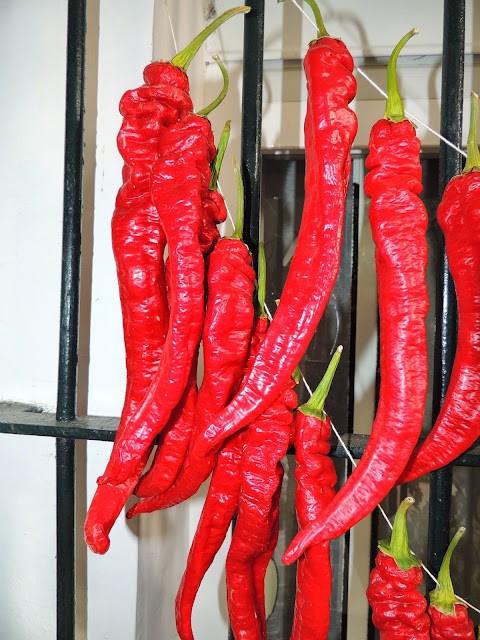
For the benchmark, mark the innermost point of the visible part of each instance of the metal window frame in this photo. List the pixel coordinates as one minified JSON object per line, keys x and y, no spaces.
{"x":66,"y":427}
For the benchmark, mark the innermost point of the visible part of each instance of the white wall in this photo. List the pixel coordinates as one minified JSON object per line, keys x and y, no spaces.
{"x":32,"y":42}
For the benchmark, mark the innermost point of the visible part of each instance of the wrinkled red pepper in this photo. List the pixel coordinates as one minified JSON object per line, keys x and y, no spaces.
{"x":266,"y":442}
{"x":449,"y":616}
{"x":179,"y":185}
{"x":316,"y":477}
{"x":330,"y":127}
{"x":399,"y":222}
{"x":138,"y":245}
{"x":218,"y":511}
{"x":399,"y":608}
{"x":457,"y":425}
{"x":225,"y":346}
{"x":174,"y":439}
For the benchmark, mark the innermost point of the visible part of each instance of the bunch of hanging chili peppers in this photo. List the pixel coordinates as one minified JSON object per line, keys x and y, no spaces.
{"x":240,"y":423}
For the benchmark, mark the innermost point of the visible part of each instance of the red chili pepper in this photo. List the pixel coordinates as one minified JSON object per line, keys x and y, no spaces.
{"x":399,"y":608}
{"x":175,"y":437}
{"x":266,"y":442}
{"x":225,"y":345}
{"x":330,"y":128}
{"x":457,"y":426}
{"x":138,"y":245}
{"x":179,"y":184}
{"x":399,"y":222}
{"x":256,"y":529}
{"x":316,"y":478}
{"x":449,"y":616}
{"x":218,"y":511}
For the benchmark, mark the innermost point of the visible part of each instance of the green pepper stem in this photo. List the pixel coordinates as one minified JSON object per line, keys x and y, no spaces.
{"x":238,"y":232}
{"x":321,"y":31}
{"x":443,"y":596}
{"x":398,"y":545}
{"x":184,"y":57}
{"x":221,"y":96}
{"x":261,"y":281}
{"x":315,"y":406}
{"x":473,"y":154}
{"x":394,"y":110}
{"x":217,"y":161}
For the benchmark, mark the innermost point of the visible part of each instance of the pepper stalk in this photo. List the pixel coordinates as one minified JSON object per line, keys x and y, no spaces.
{"x":473,"y":154}
{"x":315,"y":406}
{"x":261,"y":282}
{"x":221,"y":96}
{"x":394,"y":110}
{"x":217,"y":161}
{"x":184,"y":57}
{"x":443,"y":597}
{"x":397,"y":548}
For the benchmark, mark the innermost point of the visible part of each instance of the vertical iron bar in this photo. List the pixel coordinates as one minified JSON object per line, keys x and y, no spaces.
{"x":251,"y":142}
{"x":67,"y":366}
{"x":450,"y":165}
{"x":252,"y":120}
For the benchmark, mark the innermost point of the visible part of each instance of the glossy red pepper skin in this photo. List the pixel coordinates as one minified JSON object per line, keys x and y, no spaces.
{"x":218,"y":511}
{"x":451,"y":627}
{"x":316,"y":478}
{"x":457,"y":426}
{"x":399,"y":222}
{"x":215,"y":520}
{"x":266,"y":442}
{"x":138,"y":244}
{"x":230,"y":285}
{"x":330,"y":127}
{"x":179,"y":184}
{"x":399,"y":608}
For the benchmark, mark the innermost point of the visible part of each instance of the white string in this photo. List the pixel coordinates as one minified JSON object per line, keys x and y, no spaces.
{"x":167,"y":9}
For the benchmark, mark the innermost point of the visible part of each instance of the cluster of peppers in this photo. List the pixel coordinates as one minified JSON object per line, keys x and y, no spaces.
{"x":399,"y":608}
{"x":241,"y":421}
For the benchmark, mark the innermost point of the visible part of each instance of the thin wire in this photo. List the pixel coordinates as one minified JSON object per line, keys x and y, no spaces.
{"x":167,"y":9}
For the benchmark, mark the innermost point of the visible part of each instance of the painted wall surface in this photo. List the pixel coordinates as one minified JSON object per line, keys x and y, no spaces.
{"x":126,"y":594}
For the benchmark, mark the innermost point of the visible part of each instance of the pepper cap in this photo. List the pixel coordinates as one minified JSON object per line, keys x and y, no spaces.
{"x":443,"y":597}
{"x":473,"y":154}
{"x":394,"y":110}
{"x":315,"y":406}
{"x":398,"y":545}
{"x":184,"y":57}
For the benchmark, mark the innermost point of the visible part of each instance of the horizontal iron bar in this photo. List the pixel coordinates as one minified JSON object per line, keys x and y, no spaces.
{"x":28,"y":420}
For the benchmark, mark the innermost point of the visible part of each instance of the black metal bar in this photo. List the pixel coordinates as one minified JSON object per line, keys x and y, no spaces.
{"x":68,"y":352}
{"x":252,"y":120}
{"x":450,"y":165}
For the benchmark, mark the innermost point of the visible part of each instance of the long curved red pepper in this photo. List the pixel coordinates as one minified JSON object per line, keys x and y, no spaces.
{"x":449,"y":617}
{"x":399,"y":221}
{"x":218,"y":511}
{"x":266,"y":442}
{"x":138,"y":244}
{"x":457,"y":425}
{"x":330,"y":127}
{"x":174,"y":439}
{"x":399,"y":608}
{"x":225,"y":345}
{"x":179,"y":184}
{"x":316,"y":478}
